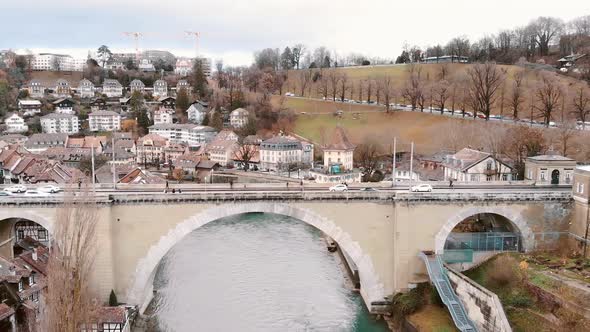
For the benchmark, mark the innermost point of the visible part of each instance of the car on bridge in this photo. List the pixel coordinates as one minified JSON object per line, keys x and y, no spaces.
{"x":35,"y":193}
{"x":339,"y":187}
{"x":49,"y":189}
{"x":424,"y":187}
{"x":18,"y":188}
{"x":368,"y":189}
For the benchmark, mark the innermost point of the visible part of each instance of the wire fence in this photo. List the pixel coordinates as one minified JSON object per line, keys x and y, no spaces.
{"x":489,"y":241}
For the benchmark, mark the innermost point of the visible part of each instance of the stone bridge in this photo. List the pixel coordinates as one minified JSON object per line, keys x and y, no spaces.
{"x":381,"y":232}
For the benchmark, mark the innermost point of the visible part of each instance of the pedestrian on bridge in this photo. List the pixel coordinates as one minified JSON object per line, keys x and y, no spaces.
{"x":450,"y":183}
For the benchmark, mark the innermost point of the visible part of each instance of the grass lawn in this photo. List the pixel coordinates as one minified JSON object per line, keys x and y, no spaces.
{"x":432,"y":318}
{"x":421,"y":128}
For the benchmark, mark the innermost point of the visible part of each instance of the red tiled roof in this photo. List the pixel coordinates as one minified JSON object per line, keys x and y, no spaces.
{"x":339,"y":141}
{"x":5,"y":311}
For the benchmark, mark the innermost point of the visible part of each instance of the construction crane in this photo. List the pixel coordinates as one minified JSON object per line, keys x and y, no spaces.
{"x":135,"y":36}
{"x":196,"y":35}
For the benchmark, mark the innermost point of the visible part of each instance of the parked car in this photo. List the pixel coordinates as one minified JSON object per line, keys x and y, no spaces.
{"x":4,"y":193}
{"x":18,"y":188}
{"x":49,"y":189}
{"x":339,"y":187}
{"x":290,"y":94}
{"x":35,"y":193}
{"x":368,"y":189}
{"x":424,"y":187}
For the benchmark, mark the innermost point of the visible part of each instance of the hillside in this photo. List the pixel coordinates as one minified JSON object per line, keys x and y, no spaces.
{"x":48,"y":78}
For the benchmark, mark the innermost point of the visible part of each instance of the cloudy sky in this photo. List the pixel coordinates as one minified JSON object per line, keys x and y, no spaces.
{"x":234,"y":29}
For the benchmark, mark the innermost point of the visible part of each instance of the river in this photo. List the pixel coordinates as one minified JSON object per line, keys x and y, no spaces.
{"x":256,"y":272}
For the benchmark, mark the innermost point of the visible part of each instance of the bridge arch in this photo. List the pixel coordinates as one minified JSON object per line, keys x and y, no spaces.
{"x":46,"y":222}
{"x":515,"y":218}
{"x":141,"y":288}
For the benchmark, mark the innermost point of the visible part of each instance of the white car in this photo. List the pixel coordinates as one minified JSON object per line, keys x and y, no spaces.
{"x":339,"y":187}
{"x":35,"y":193}
{"x":49,"y":189}
{"x":18,"y":188}
{"x":290,"y":94}
{"x":425,"y":187}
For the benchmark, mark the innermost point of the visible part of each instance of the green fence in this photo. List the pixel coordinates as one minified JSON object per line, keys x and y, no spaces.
{"x":491,"y":241}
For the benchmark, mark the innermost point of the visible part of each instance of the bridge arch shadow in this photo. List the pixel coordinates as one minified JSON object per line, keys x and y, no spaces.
{"x":141,"y":290}
{"x":46,"y":222}
{"x":514,"y":217}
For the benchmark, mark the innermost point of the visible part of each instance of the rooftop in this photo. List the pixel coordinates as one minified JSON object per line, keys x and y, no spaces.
{"x":339,"y":141}
{"x":551,"y":157}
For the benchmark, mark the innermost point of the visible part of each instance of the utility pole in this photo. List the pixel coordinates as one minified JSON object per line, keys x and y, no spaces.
{"x":393,"y":167}
{"x":411,"y":163}
{"x":92,"y":161}
{"x":587,"y":226}
{"x":113,"y":166}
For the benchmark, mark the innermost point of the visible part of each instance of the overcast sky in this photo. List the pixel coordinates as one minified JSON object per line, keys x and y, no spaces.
{"x":233,"y":29}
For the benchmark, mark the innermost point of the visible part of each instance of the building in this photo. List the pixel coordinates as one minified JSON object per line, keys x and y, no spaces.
{"x":227,"y":135}
{"x":280,"y":153}
{"x":29,"y":107}
{"x":196,"y":112}
{"x":104,"y":121}
{"x":338,"y":153}
{"x":14,"y":139}
{"x":70,"y":157}
{"x":52,"y":62}
{"x":36,"y":89}
{"x":98,"y":104}
{"x":183,"y":84}
{"x":112,"y":88}
{"x":160,"y":89}
{"x":60,"y":123}
{"x":238,"y":118}
{"x":15,"y":124}
{"x":183,"y":67}
{"x":470,"y":165}
{"x":164,"y":115}
{"x":446,"y":59}
{"x":222,"y":151}
{"x":79,"y":64}
{"x":64,"y":106}
{"x":38,"y":143}
{"x":190,"y":134}
{"x":569,"y":61}
{"x":62,"y":88}
{"x":109,"y":319}
{"x":549,"y":169}
{"x":88,"y":142}
{"x":167,"y":102}
{"x":85,"y":89}
{"x":146,"y":66}
{"x":136,"y":85}
{"x":149,"y":149}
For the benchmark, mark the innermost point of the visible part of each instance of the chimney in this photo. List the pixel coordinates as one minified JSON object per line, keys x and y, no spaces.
{"x":34,"y":255}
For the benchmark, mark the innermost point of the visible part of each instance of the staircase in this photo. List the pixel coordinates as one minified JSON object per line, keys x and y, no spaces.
{"x":438,"y":276}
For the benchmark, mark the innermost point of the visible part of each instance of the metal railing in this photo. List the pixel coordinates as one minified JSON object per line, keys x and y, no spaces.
{"x":489,"y":241}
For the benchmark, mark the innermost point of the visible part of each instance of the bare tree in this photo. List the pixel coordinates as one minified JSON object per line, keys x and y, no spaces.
{"x":549,"y":95}
{"x":333,"y":78}
{"x":386,"y":86}
{"x":245,"y":153}
{"x":412,"y":91}
{"x":360,"y":89}
{"x":370,"y":88}
{"x":366,"y":154}
{"x":566,"y":132}
{"x":343,"y":86}
{"x":443,"y":71}
{"x":441,"y":93}
{"x":70,"y":301}
{"x":522,"y":142}
{"x":485,"y":80}
{"x":581,"y":103}
{"x":494,"y":142}
{"x":305,"y":77}
{"x":324,"y":87}
{"x":546,"y":30}
{"x":517,"y":99}
{"x":298,"y":52}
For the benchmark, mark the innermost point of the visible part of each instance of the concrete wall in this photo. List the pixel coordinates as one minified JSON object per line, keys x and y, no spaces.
{"x":483,"y":307}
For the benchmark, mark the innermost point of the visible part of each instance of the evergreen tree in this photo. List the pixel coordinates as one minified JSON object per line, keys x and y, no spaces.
{"x":182,"y":102}
{"x":205,"y":121}
{"x":217,"y":120}
{"x":4,"y":97}
{"x":113,"y":302}
{"x":199,"y":79}
{"x":287,"y":59}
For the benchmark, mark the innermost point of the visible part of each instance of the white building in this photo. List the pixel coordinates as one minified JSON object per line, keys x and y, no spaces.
{"x":136,"y":85}
{"x":279,"y":152}
{"x":79,"y":64}
{"x":238,"y":117}
{"x":52,"y":62}
{"x":29,"y":107}
{"x":60,"y":123}
{"x":62,"y":88}
{"x":550,"y":169}
{"x":222,"y":151}
{"x":36,"y":89}
{"x":15,"y":124}
{"x":470,"y":165}
{"x":146,"y":65}
{"x":190,"y":134}
{"x":160,"y":89}
{"x":163,"y":115}
{"x":183,"y":67}
{"x":339,"y":152}
{"x":112,"y":88}
{"x":104,"y":121}
{"x":86,"y":89}
{"x":196,"y":113}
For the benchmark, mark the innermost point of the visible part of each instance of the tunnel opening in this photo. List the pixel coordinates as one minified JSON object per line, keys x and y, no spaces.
{"x":479,"y":234}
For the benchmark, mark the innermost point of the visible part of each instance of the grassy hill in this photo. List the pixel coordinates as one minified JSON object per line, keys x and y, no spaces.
{"x":48,"y":78}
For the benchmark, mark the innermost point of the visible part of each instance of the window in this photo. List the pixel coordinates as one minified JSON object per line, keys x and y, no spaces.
{"x":35,"y":297}
{"x":504,"y":177}
{"x":20,"y":234}
{"x":32,"y":279}
{"x":489,"y":165}
{"x":542,"y":175}
{"x":21,"y":285}
{"x":473,"y":177}
{"x":42,"y":234}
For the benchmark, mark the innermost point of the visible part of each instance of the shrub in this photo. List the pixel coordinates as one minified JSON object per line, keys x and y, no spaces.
{"x":407,"y":303}
{"x":519,"y":300}
{"x":503,"y":271}
{"x":113,"y":302}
